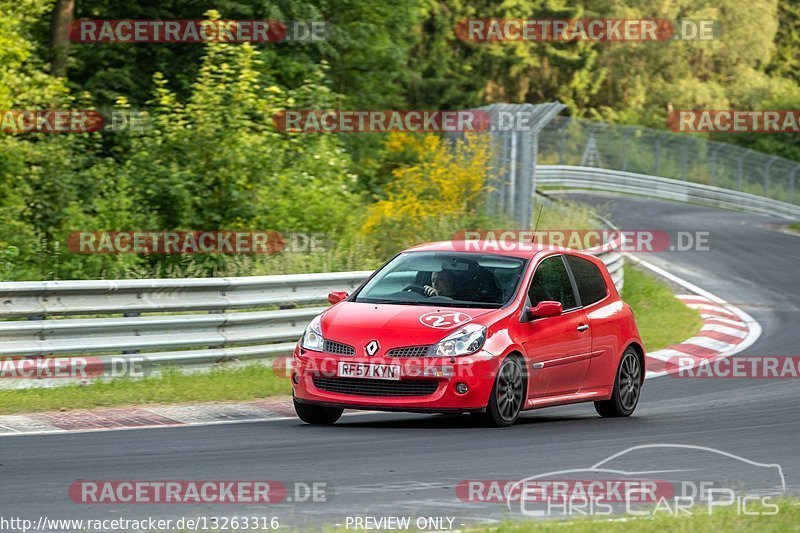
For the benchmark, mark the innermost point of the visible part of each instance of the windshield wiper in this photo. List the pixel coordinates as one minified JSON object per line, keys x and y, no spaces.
{"x":471,"y":305}
{"x":386,"y":301}
{"x":478,"y":305}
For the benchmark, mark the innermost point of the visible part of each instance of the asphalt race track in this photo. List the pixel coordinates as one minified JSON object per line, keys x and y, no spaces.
{"x":398,"y":464}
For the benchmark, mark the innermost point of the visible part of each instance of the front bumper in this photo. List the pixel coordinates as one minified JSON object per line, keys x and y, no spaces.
{"x":426,"y":384}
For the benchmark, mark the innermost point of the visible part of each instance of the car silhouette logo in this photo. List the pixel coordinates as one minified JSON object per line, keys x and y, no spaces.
{"x":372,"y":348}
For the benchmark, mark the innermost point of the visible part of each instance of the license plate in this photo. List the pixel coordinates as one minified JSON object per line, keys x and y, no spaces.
{"x":368,"y":370}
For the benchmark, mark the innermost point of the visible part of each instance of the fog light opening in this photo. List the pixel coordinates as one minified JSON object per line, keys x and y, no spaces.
{"x":295,"y":378}
{"x":461,"y":388}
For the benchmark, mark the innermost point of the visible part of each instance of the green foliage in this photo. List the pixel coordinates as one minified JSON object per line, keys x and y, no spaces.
{"x":213,"y":160}
{"x":449,"y":73}
{"x":367,"y":48}
{"x":210,"y":161}
{"x":249,"y":382}
{"x":439,"y":193}
{"x":786,"y":61}
{"x":663,"y":320}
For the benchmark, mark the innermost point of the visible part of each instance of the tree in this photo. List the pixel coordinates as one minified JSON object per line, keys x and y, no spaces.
{"x":59,"y":36}
{"x":450,"y":73}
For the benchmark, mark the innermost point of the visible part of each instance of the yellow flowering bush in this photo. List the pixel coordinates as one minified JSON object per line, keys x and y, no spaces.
{"x":440,"y":192}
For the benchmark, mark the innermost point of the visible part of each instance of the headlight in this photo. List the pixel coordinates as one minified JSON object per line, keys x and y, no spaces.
{"x":312,"y":336}
{"x":465,"y":341}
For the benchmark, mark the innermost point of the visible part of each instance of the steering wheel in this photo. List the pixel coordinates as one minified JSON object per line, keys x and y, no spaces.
{"x":419,"y":289}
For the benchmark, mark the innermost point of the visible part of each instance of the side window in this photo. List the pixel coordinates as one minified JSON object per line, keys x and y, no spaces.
{"x":551,"y":282}
{"x":591,"y":284}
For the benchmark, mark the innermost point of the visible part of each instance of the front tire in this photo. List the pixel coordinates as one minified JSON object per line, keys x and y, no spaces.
{"x":508,"y":395}
{"x":627,"y":388}
{"x":317,"y":414}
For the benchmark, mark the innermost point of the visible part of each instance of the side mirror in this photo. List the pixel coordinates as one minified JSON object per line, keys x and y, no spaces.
{"x":544,"y":309}
{"x":336,"y":296}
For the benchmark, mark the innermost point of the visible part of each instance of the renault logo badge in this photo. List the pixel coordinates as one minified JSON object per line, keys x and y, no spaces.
{"x":372,"y":348}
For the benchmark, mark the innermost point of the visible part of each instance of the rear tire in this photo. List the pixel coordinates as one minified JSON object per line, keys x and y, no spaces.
{"x":627,"y":388}
{"x":317,"y":414}
{"x":507,"y":397}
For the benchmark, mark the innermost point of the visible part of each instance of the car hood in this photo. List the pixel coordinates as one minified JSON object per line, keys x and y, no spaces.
{"x":393,"y":326}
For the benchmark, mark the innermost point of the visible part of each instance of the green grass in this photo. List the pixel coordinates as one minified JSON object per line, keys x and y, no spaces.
{"x":663,"y":320}
{"x":795,"y":226}
{"x":723,"y":519}
{"x":244,"y":383}
{"x":564,"y":215}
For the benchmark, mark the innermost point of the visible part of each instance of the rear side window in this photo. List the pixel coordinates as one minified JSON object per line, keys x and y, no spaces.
{"x":551,"y":283}
{"x":591,"y":284}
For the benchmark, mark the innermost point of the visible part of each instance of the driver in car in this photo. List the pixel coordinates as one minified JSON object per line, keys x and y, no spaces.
{"x":443,"y":283}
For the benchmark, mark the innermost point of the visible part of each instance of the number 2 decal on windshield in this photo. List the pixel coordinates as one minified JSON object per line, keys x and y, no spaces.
{"x":444,"y":319}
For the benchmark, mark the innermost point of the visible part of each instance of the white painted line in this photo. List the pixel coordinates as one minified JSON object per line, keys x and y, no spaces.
{"x":56,"y":431}
{"x":668,"y":354}
{"x":710,"y":344}
{"x":712,"y":310}
{"x":691,"y":297}
{"x":191,"y":414}
{"x":200,"y":415}
{"x":724,"y":320}
{"x":725,"y":330}
{"x":726,"y":350}
{"x":675,"y":279}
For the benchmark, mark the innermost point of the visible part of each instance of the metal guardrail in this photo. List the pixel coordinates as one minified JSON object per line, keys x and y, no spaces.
{"x":600,"y":179}
{"x":657,"y":152}
{"x":172,"y":322}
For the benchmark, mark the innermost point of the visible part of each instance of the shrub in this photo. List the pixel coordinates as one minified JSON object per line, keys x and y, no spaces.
{"x":438,"y":193}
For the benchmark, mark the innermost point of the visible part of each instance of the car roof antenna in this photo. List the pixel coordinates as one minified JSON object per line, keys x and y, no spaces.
{"x":536,"y":226}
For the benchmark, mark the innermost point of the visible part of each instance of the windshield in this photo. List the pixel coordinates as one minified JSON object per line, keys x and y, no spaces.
{"x":448,"y":279}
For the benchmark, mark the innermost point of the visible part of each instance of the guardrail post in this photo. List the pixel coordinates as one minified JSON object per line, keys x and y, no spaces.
{"x":767,"y":176}
{"x":527,"y":184}
{"x":657,"y":162}
{"x":512,"y":173}
{"x":714,"y":162}
{"x":130,"y":315}
{"x":741,"y":172}
{"x":625,"y":150}
{"x":684,"y":156}
{"x":562,"y":139}
{"x":656,"y":155}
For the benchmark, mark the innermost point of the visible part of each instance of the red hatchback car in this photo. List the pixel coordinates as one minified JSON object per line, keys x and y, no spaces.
{"x":442,"y":329}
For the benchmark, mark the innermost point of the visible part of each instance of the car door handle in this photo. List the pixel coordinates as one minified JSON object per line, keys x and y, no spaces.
{"x":583,"y":327}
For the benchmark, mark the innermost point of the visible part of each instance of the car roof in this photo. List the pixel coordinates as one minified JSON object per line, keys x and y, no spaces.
{"x":526,"y":250}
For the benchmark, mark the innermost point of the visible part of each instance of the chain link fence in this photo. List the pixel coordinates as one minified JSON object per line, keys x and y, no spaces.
{"x":568,"y":141}
{"x":515,"y":129}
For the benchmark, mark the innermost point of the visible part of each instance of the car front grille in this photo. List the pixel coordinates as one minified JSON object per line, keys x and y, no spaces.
{"x":408,"y":351}
{"x":338,"y":348}
{"x":375,"y":387}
